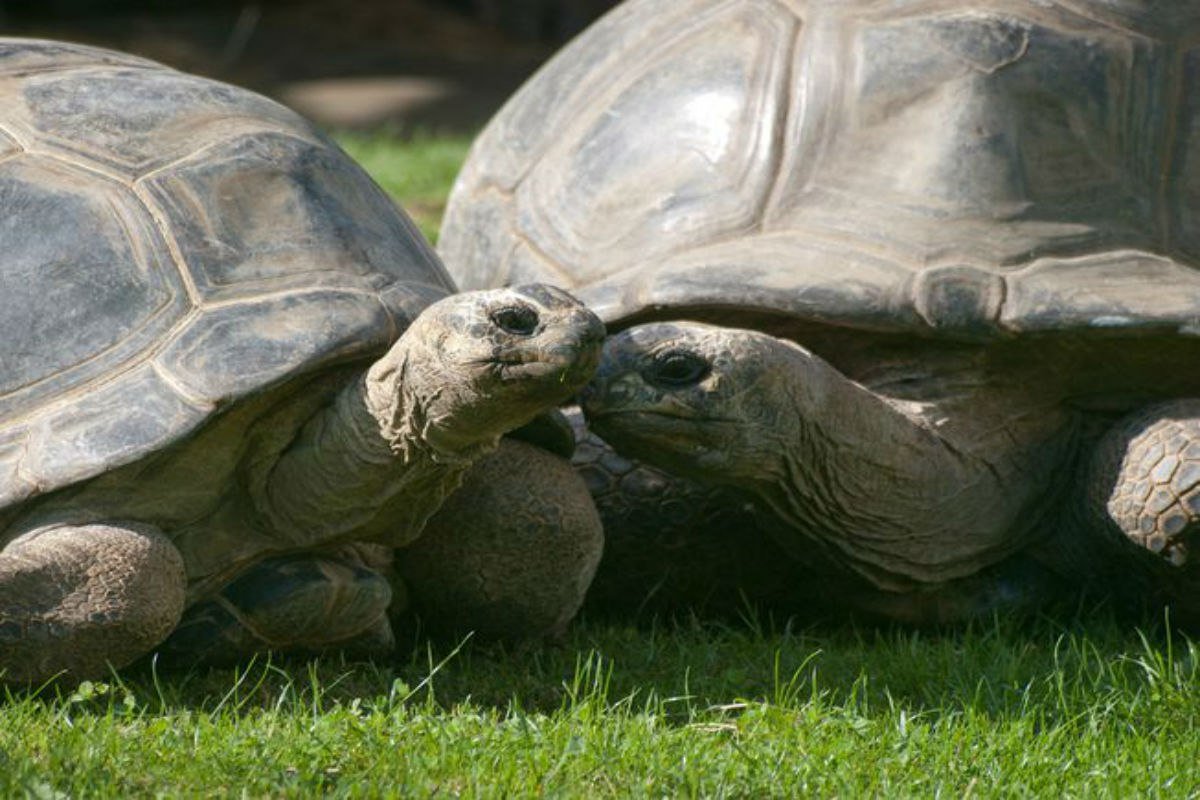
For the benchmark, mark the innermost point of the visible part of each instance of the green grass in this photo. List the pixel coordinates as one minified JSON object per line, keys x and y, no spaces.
{"x":417,"y":171}
{"x":1074,"y":706}
{"x":1003,"y":710}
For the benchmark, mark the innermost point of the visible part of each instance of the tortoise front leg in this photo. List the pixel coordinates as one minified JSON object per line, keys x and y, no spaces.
{"x":302,"y":603}
{"x":511,"y":554}
{"x":1144,"y":486}
{"x":81,"y":599}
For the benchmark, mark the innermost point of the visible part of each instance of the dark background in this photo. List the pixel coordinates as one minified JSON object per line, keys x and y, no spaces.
{"x":407,"y":65}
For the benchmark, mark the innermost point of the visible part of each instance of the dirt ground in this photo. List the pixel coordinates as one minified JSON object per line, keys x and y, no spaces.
{"x":405,"y":65}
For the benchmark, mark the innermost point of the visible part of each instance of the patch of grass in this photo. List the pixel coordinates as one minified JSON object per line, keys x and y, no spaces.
{"x":1009,"y":709}
{"x":417,"y":171}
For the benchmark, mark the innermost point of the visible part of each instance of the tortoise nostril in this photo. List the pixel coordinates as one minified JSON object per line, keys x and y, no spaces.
{"x":519,"y":320}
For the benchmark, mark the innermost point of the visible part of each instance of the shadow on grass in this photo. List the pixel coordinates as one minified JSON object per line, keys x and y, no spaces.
{"x":1057,"y":667}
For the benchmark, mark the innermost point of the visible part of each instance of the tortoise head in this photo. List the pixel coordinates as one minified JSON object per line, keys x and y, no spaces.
{"x":704,"y":401}
{"x":475,"y":365}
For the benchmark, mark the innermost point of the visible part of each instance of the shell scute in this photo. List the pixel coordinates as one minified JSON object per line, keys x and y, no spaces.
{"x":69,"y":442}
{"x":270,"y":212}
{"x":174,"y":246}
{"x":134,"y":121}
{"x":981,"y":137}
{"x":231,"y":350}
{"x":714,"y":93}
{"x":86,"y":281}
{"x":961,"y":170}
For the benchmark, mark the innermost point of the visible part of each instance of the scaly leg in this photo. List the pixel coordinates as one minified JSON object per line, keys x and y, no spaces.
{"x":511,"y":553}
{"x":81,"y":599}
{"x":1146,"y":480}
{"x":302,"y":603}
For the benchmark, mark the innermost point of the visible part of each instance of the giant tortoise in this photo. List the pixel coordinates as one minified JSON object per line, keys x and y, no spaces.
{"x":919,"y":277}
{"x":226,"y":360}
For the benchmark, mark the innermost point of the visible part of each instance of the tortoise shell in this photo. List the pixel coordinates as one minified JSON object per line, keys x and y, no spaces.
{"x":967,"y":170}
{"x":172,"y":245}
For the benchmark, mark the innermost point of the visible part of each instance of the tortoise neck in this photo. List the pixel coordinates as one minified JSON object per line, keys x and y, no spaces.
{"x":901,"y":494}
{"x":369,"y":466}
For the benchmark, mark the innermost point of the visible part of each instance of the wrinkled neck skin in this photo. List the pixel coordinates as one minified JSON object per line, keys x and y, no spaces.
{"x":379,"y":461}
{"x":904,"y":493}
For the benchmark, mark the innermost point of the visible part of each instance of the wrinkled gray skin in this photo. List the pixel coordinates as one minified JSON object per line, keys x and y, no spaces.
{"x":980,"y":219}
{"x":935,"y":509}
{"x":98,"y":578}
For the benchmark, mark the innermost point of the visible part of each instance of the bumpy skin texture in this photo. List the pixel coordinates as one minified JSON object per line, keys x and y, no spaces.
{"x":511,"y":554}
{"x":1147,"y":478}
{"x":371,"y":466}
{"x":304,"y":603}
{"x":81,"y":599}
{"x":433,"y":405}
{"x":887,"y":487}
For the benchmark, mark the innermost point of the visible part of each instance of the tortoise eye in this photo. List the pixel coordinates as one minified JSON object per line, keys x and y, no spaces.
{"x":676,"y":368}
{"x":519,"y":320}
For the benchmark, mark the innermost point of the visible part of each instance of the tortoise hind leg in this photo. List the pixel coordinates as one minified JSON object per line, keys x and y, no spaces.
{"x":80,"y":599}
{"x":303,"y":603}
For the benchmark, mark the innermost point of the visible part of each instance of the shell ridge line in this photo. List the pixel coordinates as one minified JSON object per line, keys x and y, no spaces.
{"x":16,"y":140}
{"x":302,"y":291}
{"x":1000,"y":63}
{"x":393,"y":327}
{"x":138,"y":247}
{"x":818,"y":103}
{"x":98,"y":382}
{"x":114,"y":371}
{"x":784,"y":92}
{"x":186,"y":395}
{"x":173,"y":248}
{"x":1098,"y":18}
{"x":82,"y":163}
{"x":259,"y":127}
{"x":544,"y":257}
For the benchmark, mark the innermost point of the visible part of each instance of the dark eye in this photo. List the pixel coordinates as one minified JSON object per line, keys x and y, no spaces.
{"x":678,"y":368}
{"x":517,"y":320}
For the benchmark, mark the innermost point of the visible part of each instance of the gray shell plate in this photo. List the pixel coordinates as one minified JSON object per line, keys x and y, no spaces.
{"x":964,"y":170}
{"x":170,"y":246}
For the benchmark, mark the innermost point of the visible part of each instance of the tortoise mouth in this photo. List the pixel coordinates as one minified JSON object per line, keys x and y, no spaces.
{"x":667,"y":440}
{"x":647,"y":423}
{"x":570,"y":366}
{"x":577,"y":360}
{"x":639,"y":419}
{"x":645,"y":413}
